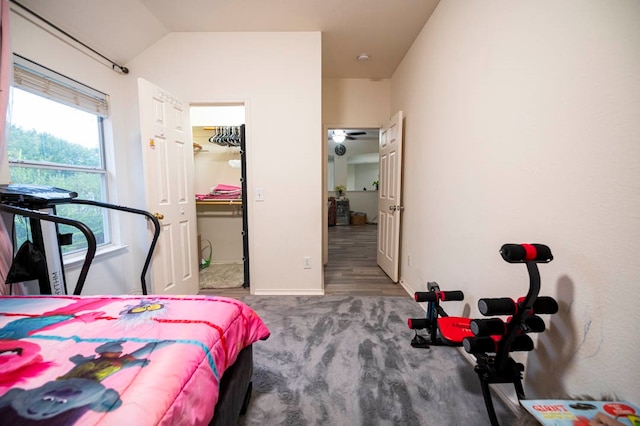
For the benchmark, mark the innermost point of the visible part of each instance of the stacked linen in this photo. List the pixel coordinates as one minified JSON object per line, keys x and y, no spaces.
{"x":222,"y":192}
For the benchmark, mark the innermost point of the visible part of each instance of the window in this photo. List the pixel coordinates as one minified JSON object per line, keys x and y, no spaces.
{"x":56,"y":139}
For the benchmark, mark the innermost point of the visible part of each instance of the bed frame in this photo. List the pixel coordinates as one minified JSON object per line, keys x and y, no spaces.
{"x":235,"y":390}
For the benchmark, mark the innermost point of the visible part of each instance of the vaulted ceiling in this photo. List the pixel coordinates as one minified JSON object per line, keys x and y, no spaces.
{"x":121,"y":29}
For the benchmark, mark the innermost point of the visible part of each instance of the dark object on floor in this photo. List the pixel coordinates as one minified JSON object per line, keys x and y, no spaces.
{"x":332,"y":211}
{"x":419,"y":342}
{"x":358,"y":218}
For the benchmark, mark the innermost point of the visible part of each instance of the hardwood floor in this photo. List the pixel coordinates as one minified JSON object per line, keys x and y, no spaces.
{"x":352,"y":267}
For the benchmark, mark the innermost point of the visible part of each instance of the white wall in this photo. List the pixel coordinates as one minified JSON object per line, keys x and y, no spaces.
{"x":522,"y":126}
{"x":277,"y":76}
{"x":355,"y":102}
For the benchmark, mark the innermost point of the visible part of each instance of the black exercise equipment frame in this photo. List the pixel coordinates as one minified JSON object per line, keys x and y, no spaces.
{"x":15,"y":207}
{"x":433,"y":311}
{"x":500,"y":367}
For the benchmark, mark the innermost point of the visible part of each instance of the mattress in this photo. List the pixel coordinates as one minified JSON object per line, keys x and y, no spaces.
{"x":116,"y":360}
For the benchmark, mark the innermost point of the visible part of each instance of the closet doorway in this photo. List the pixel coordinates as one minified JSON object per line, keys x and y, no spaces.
{"x":220,"y":185}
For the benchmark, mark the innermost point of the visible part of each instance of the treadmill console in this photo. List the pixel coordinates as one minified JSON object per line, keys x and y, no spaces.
{"x":34,"y":196}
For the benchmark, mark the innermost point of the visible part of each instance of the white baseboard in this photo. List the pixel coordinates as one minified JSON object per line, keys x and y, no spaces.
{"x":407,"y":286}
{"x":288,"y":292}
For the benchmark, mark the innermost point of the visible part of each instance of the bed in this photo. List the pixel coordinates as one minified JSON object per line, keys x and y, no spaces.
{"x":117,"y":360}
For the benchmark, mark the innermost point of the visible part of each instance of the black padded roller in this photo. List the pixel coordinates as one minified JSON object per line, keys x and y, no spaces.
{"x":488,"y":327}
{"x":432,"y":296}
{"x":476,"y":345}
{"x":497,"y":306}
{"x":425,"y":296}
{"x":534,"y":324}
{"x":446,"y":296}
{"x":521,"y":343}
{"x":526,"y":252}
{"x":545,"y":305}
{"x":418,"y":323}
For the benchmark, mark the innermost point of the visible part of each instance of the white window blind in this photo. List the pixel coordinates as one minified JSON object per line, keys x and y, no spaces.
{"x":34,"y":78}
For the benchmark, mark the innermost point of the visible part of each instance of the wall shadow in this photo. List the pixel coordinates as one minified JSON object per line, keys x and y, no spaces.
{"x":555,"y":349}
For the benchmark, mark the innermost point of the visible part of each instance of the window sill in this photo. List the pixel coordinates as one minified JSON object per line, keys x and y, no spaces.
{"x":77,"y":259}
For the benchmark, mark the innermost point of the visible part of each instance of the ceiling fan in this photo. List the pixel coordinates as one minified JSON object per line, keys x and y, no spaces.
{"x":339,"y":135}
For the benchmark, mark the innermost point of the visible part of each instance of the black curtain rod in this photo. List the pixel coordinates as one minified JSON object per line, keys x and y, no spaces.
{"x":115,"y":66}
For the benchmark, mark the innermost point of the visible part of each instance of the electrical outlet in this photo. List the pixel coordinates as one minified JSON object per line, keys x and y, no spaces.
{"x":409,"y":260}
{"x":307,"y":262}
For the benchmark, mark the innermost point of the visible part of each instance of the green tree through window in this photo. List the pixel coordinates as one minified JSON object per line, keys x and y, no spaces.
{"x":54,"y":144}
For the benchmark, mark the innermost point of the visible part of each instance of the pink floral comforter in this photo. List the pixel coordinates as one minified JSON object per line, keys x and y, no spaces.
{"x":118,"y":360}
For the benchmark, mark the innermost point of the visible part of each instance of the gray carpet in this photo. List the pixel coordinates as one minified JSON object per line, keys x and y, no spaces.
{"x":346,"y":360}
{"x":222,"y":275}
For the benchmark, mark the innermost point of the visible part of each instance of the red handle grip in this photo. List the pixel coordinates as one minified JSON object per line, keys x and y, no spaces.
{"x":418,"y":323}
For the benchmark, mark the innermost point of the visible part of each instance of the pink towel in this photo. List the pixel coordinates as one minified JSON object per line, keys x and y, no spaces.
{"x":222,"y":187}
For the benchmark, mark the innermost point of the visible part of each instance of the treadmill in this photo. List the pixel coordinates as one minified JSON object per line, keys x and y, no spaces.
{"x":38,"y":203}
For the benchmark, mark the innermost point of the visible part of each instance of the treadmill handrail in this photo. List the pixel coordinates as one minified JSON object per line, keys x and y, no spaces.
{"x":154,"y":240}
{"x":88,"y":234}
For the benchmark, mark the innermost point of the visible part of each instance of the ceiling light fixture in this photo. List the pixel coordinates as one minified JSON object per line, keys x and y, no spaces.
{"x":339,"y":136}
{"x":363,"y":57}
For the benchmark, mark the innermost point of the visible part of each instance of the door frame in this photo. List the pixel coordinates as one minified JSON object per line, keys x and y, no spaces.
{"x":248,"y":210}
{"x":325,"y":189}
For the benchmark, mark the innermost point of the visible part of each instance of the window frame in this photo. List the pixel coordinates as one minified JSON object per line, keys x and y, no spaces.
{"x":41,"y":81}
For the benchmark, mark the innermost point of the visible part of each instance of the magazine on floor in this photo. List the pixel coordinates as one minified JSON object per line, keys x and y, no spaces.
{"x":557,"y":412}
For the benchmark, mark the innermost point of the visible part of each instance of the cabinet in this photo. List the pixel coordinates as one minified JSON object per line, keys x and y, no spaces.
{"x":342,"y":212}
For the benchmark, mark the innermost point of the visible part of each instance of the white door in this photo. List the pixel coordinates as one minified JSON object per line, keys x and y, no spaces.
{"x":390,"y":196}
{"x":168,"y":173}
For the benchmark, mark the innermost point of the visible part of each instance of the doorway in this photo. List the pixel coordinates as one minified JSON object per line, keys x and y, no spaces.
{"x":353,"y":169}
{"x":352,"y":179}
{"x":220,"y":186}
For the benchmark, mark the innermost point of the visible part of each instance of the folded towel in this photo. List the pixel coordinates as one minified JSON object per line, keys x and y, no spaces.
{"x":222,"y":192}
{"x":201,"y":197}
{"x":224,"y":188}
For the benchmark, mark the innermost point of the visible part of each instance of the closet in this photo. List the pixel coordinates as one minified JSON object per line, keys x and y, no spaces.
{"x":220,"y":191}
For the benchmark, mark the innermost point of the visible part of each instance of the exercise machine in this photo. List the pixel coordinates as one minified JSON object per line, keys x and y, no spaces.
{"x":442,"y":329}
{"x":492,"y":340}
{"x":42,"y":257}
